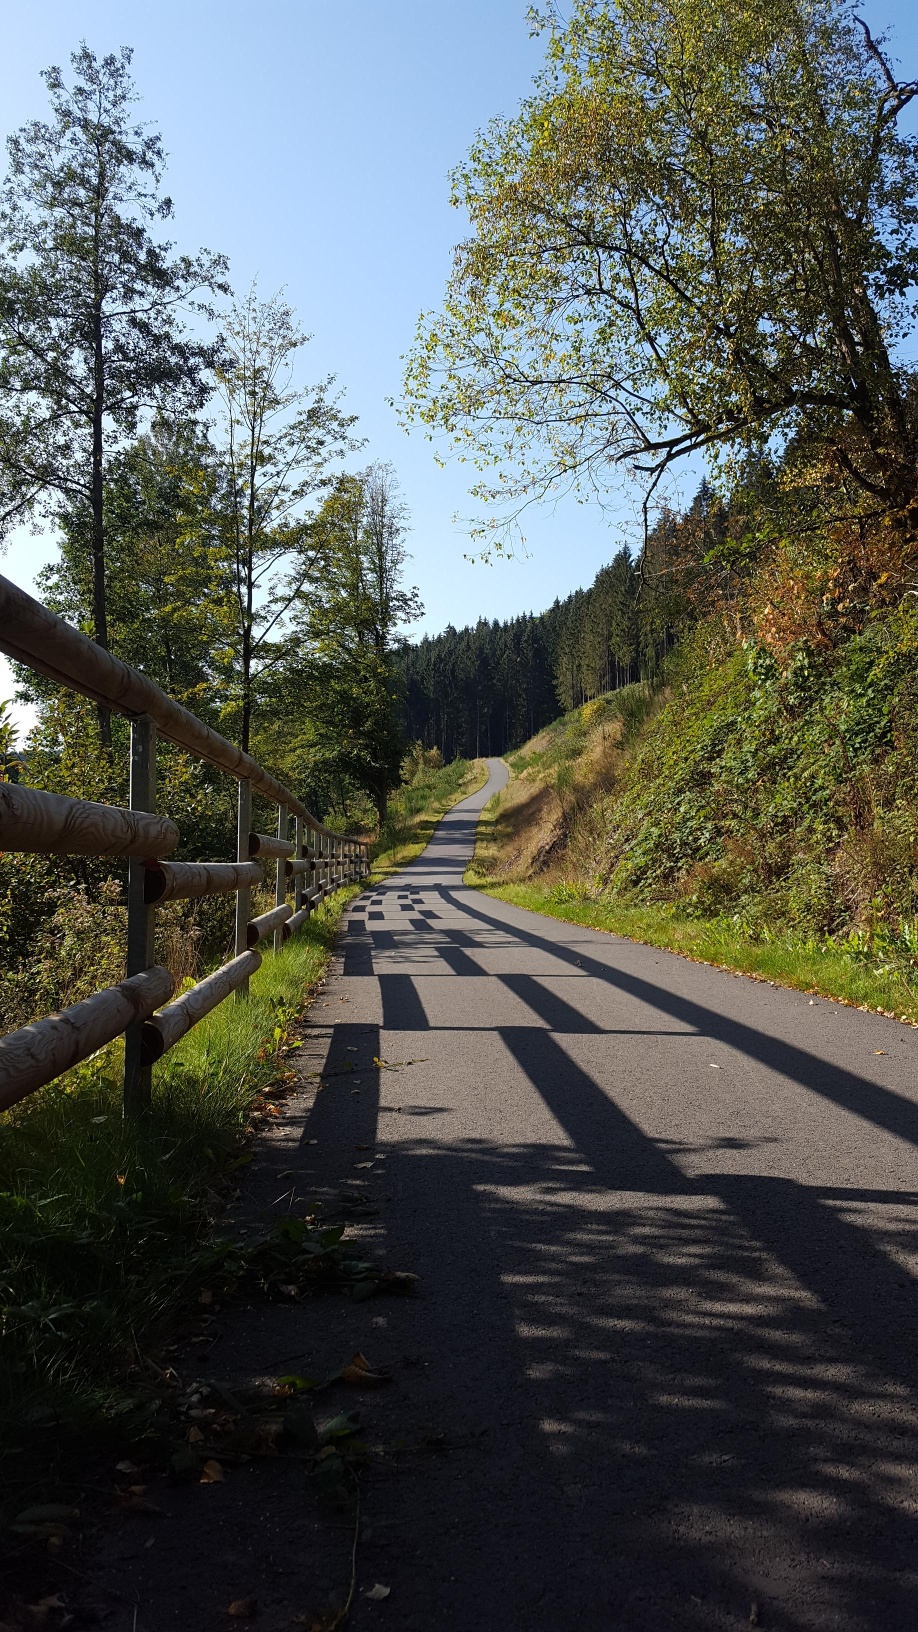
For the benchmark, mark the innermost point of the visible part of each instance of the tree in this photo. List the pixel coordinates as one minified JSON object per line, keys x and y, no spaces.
{"x":352,"y":611}
{"x":90,"y":327}
{"x":278,"y":439}
{"x":170,"y":591}
{"x":697,"y":234}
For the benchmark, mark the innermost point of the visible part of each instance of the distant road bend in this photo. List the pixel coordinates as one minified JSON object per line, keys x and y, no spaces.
{"x":666,"y":1220}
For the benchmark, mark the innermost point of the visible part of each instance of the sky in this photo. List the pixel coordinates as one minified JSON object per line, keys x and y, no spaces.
{"x":312,"y":144}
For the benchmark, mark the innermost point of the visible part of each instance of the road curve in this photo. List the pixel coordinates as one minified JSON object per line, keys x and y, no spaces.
{"x":662,"y":1370}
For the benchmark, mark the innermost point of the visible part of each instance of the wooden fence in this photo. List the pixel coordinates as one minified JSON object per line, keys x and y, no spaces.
{"x":309,"y":861}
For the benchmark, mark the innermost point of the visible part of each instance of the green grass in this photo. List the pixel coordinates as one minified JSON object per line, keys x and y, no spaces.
{"x":849,"y":972}
{"x":107,"y":1225}
{"x":416,"y":808}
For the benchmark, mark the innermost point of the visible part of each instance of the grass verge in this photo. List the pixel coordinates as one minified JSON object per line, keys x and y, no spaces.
{"x":852,"y":976}
{"x":106,"y":1225}
{"x":416,"y":808}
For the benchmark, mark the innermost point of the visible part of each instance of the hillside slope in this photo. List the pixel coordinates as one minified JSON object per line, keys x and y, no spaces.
{"x":764,"y":820}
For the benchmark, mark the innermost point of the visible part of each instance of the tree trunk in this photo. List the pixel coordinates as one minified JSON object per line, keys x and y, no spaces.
{"x":99,"y":606}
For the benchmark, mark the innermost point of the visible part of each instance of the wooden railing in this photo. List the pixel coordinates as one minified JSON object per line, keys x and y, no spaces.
{"x":310,"y":861}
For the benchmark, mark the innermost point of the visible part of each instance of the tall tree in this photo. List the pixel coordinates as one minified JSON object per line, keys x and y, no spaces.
{"x":352,"y":614}
{"x":698,"y":233}
{"x":277,"y":440}
{"x":91,"y":332}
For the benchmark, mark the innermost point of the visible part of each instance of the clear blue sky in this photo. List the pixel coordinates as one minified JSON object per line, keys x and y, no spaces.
{"x":311,"y":143}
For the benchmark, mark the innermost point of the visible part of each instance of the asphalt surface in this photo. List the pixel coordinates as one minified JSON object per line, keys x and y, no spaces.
{"x":662,"y":1369}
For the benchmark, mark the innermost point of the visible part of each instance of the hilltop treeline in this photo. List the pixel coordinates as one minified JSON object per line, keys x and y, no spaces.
{"x":487,"y":688}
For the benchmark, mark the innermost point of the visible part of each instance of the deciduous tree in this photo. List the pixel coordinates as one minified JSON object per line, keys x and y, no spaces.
{"x":697,"y":234}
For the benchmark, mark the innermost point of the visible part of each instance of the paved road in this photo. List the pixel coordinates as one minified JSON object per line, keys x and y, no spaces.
{"x":662,"y":1371}
{"x":666,"y":1220}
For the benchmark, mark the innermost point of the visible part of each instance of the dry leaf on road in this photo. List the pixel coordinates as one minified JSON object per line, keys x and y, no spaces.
{"x":242,"y":1609}
{"x":360,"y":1374}
{"x":212,"y":1473}
{"x":378,"y":1592}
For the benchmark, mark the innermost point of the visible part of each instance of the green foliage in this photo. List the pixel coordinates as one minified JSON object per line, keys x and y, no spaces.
{"x":486,"y":689}
{"x":107,"y":1224}
{"x":90,"y":333}
{"x":787,"y":797}
{"x":697,"y":233}
{"x":771,"y":807}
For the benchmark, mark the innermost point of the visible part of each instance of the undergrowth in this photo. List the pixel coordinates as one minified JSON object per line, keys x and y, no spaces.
{"x":758,"y":816}
{"x":107,"y":1225}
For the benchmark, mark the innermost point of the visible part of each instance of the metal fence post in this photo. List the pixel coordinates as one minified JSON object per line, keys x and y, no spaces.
{"x":138,"y":1078}
{"x":244,"y":896}
{"x":280,"y":886}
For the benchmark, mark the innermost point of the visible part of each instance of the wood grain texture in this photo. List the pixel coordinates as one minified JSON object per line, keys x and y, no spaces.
{"x":163,"y":1030}
{"x":50,"y":824}
{"x":296,"y":922}
{"x":266,"y":844}
{"x":258,"y":928}
{"x":186,"y":880}
{"x":37,"y":1054}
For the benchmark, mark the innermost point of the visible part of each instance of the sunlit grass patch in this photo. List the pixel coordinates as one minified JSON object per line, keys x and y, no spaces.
{"x":106,"y":1224}
{"x":832,"y":969}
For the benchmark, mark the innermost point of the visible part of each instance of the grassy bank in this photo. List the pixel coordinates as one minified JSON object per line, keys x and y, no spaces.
{"x":763,"y":820}
{"x":416,"y":807}
{"x":106,"y":1225}
{"x":848,"y":974}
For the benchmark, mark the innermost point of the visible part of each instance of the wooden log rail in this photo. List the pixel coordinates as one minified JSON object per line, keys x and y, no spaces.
{"x":315,"y":861}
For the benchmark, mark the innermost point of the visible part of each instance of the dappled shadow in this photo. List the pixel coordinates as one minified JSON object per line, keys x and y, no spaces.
{"x":670,"y":1395}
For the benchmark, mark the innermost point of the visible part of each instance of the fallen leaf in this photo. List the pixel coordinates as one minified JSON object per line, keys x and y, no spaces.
{"x":378,"y":1592}
{"x":242,"y":1609}
{"x":360,"y":1374}
{"x":879,"y":1051}
{"x":194,"y":1436}
{"x":126,"y":1467}
{"x":362,"y":1166}
{"x":211,"y":1473}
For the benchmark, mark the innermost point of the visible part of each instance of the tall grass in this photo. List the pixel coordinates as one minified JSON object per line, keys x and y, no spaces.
{"x":106,"y":1224}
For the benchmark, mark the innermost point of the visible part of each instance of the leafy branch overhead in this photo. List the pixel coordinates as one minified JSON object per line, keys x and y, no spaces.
{"x":697,"y":234}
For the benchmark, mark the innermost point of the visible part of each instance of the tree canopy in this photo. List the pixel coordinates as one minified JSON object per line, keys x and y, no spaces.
{"x":698,"y":233}
{"x":91,"y":302}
